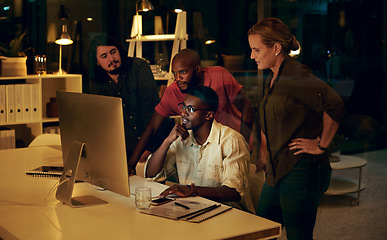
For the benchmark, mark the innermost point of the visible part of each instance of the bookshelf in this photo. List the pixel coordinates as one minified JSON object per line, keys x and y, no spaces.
{"x":26,"y":129}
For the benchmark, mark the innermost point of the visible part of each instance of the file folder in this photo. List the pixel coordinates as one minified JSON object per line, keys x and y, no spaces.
{"x":26,"y":92}
{"x":3,"y":110}
{"x":3,"y":136}
{"x":7,"y":138}
{"x":10,"y":102}
{"x":18,"y":103}
{"x":35,"y":109}
{"x":11,"y":138}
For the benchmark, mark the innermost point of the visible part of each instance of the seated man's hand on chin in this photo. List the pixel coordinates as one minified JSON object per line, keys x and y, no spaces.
{"x":181,"y":190}
{"x":177,"y":131}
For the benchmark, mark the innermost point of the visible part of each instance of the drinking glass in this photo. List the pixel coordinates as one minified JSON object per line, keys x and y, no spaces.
{"x":40,"y":65}
{"x":161,"y":64}
{"x":143,"y":197}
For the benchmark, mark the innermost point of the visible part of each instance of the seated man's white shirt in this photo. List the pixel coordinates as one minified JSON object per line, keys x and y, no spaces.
{"x":222,"y":160}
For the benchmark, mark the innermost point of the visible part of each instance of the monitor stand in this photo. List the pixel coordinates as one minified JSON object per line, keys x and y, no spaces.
{"x":66,"y":183}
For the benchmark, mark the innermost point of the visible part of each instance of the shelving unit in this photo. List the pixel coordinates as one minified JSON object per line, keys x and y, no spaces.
{"x":47,"y":87}
{"x":179,"y":39}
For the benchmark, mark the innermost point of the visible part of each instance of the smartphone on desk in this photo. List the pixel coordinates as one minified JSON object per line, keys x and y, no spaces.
{"x":160,"y":201}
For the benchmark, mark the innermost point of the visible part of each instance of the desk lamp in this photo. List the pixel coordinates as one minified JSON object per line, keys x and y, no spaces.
{"x":141,"y":6}
{"x":64,"y":39}
{"x":177,"y":8}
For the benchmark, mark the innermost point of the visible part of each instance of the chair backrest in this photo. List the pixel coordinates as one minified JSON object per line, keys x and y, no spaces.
{"x":46,"y":139}
{"x":256,"y":181}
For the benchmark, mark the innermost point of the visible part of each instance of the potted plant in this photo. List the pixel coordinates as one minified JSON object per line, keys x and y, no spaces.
{"x":13,"y":58}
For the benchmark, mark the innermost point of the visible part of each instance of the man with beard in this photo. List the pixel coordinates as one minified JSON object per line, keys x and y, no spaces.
{"x":211,"y":160}
{"x":234,"y":111}
{"x":114,"y":74}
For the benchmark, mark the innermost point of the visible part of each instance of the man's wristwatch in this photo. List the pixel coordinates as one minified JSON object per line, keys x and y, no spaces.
{"x":322,"y":148}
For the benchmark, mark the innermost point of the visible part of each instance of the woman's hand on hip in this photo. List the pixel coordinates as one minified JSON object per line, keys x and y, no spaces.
{"x":305,"y":145}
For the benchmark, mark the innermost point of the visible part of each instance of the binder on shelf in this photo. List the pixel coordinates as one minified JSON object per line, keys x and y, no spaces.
{"x":7,"y":138}
{"x":11,"y":138}
{"x":3,"y":110}
{"x":18,"y":103}
{"x":35,"y":110}
{"x":3,"y":138}
{"x":26,"y":93}
{"x":10,"y":102}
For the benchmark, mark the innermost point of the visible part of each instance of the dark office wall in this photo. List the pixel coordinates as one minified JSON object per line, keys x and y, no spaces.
{"x":354,"y":31}
{"x":35,"y":13}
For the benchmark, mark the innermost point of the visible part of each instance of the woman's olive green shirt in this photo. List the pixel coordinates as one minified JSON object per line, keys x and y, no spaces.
{"x":293,"y":108}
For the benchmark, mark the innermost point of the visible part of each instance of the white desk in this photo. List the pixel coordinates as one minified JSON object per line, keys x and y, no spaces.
{"x":25,"y":215}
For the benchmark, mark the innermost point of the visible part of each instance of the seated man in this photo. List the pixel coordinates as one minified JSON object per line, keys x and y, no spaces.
{"x":210,"y":159}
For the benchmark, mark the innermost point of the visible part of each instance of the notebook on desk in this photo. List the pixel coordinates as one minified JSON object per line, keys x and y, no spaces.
{"x":207,"y":213}
{"x":192,"y":211}
{"x":46,"y":171}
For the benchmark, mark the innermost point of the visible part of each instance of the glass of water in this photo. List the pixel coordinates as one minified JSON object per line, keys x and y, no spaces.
{"x":40,"y":65}
{"x":143,"y":197}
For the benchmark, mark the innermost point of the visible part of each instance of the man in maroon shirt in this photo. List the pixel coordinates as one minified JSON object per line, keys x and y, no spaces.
{"x":234,"y":109}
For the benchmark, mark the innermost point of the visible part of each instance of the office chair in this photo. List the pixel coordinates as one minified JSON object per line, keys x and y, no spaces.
{"x":46,"y":139}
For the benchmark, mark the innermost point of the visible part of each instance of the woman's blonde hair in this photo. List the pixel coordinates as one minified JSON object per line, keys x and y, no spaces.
{"x":272,"y":31}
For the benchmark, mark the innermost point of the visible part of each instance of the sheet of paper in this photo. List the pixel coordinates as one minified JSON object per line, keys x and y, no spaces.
{"x":136,"y":181}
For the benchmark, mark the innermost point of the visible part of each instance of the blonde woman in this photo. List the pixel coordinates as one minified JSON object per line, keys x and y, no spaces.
{"x":299,"y":116}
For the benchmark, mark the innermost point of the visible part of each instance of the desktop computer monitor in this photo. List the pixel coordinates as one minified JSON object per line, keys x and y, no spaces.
{"x":93,"y":145}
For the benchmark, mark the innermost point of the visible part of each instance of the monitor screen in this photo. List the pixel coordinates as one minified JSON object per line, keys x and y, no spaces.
{"x":96,"y":124}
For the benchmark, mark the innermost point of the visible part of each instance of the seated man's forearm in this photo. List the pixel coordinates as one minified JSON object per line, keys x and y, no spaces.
{"x":156,"y":162}
{"x":219,"y":194}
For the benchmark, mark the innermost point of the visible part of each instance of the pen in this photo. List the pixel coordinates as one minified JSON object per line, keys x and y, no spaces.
{"x":204,"y":211}
{"x":181,"y":205}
